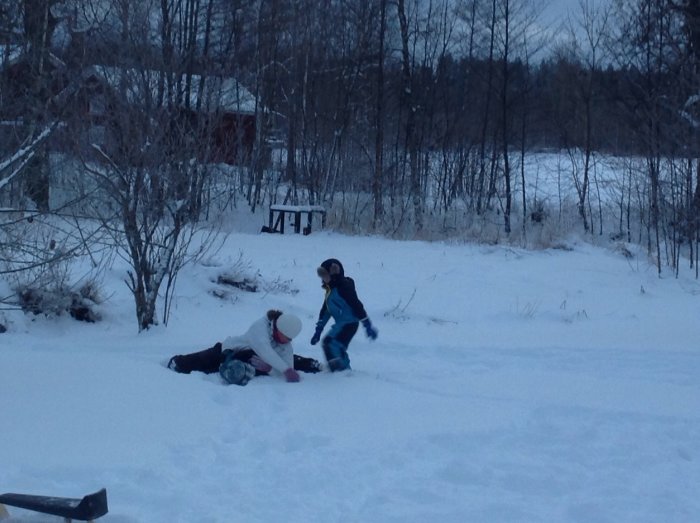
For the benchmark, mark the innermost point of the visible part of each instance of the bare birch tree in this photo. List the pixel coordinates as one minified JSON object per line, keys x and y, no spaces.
{"x":154,"y":175}
{"x":588,"y":32}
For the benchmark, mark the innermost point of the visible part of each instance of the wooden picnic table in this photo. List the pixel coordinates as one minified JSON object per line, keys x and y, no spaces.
{"x":278,"y":213}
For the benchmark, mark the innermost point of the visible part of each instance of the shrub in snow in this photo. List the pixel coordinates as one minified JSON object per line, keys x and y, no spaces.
{"x":240,"y":275}
{"x":239,"y":281}
{"x":252,"y":283}
{"x":280,"y":286}
{"x":59,"y":300}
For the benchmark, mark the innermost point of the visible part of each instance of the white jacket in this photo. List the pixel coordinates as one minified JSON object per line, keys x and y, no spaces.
{"x":280,"y":356}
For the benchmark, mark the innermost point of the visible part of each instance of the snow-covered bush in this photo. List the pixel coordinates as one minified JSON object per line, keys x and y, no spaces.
{"x":58,"y":299}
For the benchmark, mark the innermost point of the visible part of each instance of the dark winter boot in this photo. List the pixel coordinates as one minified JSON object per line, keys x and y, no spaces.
{"x":306,"y":364}
{"x":338,"y":364}
{"x":336,"y":354}
{"x":207,"y":361}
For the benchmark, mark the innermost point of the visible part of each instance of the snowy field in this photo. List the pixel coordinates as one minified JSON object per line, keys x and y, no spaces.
{"x":505,"y":386}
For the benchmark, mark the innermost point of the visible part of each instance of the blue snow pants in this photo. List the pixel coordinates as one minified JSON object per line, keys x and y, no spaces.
{"x":335,"y":345}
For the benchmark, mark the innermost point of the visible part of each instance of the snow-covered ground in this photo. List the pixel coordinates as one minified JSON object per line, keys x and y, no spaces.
{"x":506,"y":385}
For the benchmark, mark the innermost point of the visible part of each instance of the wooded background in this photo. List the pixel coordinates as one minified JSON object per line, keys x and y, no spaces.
{"x":411,"y":118}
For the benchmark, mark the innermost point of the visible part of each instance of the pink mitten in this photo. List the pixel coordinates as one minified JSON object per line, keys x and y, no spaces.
{"x":260,"y":365}
{"x":291,"y":375}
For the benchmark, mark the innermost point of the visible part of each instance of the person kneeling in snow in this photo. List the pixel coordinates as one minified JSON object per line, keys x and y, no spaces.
{"x":264,"y":349}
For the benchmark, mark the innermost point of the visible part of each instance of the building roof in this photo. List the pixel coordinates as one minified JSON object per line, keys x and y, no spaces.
{"x":218,"y":94}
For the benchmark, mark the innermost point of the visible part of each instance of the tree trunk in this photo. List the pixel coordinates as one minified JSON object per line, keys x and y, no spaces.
{"x":505,"y":120}
{"x":379,"y":124}
{"x":38,"y":26}
{"x":410,"y":127}
{"x":486,"y":114}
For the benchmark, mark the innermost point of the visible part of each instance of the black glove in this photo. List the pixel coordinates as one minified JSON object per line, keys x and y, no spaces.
{"x":317,"y":336}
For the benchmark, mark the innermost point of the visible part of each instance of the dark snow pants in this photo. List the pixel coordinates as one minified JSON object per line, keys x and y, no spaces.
{"x":209,"y":360}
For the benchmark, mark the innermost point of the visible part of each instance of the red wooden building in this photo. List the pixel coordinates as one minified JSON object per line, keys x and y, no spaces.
{"x":212,"y":117}
{"x":124,"y":112}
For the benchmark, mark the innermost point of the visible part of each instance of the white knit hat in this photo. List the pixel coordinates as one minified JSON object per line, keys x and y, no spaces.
{"x":289,"y":325}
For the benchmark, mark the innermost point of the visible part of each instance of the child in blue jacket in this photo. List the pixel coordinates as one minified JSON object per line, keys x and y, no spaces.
{"x":342,"y":304}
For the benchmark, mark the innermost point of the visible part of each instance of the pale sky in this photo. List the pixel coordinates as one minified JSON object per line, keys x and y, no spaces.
{"x":558,"y":9}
